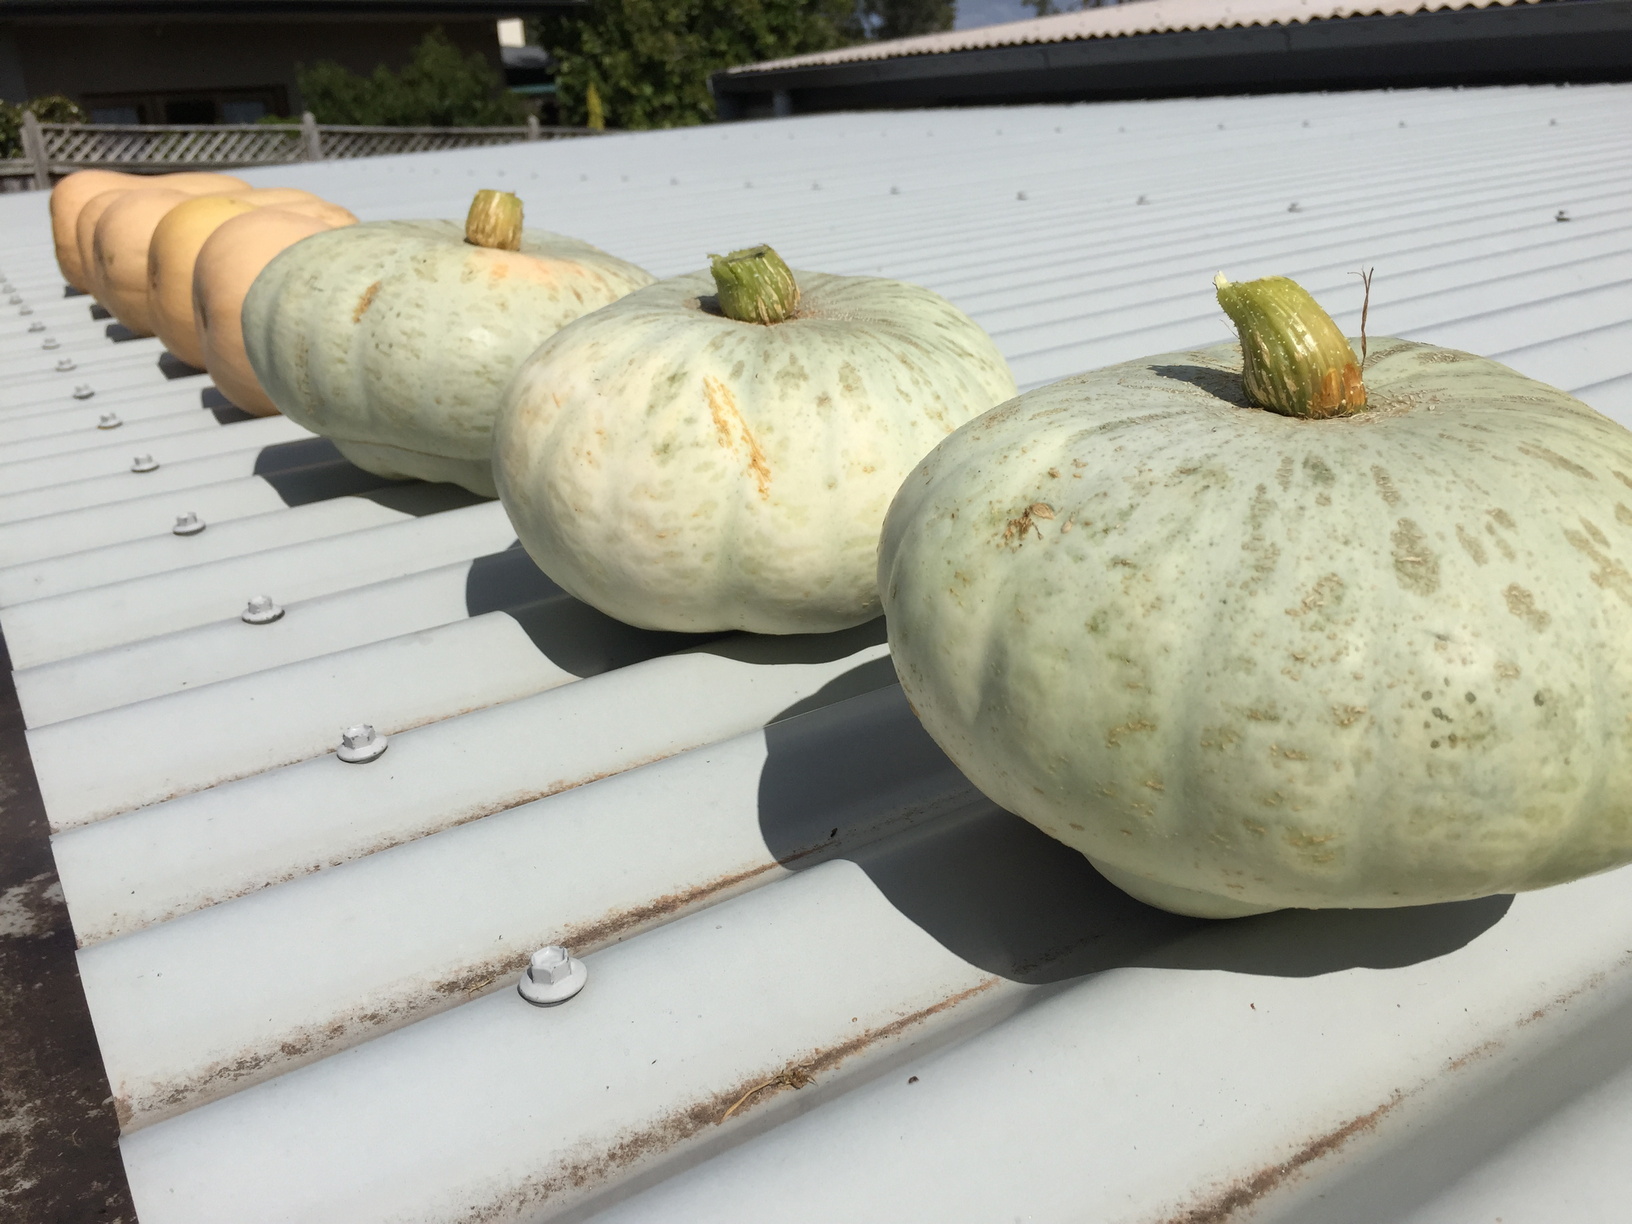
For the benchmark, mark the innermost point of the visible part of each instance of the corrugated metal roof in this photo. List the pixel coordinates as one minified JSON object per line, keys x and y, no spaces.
{"x":301,"y":972}
{"x":1123,"y":21}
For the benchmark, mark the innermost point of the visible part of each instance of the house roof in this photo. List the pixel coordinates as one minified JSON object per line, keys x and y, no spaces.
{"x":302,"y":973}
{"x":1123,"y":21}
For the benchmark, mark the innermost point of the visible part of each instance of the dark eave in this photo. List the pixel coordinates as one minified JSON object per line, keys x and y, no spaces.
{"x":147,"y":10}
{"x":1563,"y":40}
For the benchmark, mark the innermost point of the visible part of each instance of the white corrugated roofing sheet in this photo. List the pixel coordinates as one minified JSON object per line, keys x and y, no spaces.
{"x":1122,"y":21}
{"x":302,"y":972}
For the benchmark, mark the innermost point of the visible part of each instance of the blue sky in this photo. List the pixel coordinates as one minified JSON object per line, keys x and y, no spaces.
{"x":973,"y":13}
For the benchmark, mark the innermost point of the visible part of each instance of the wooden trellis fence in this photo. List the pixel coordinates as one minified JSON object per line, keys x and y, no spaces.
{"x":59,"y":148}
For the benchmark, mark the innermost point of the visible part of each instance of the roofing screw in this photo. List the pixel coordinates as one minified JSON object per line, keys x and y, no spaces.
{"x":360,"y":744}
{"x":1294,"y":207}
{"x":1562,"y":214}
{"x":187,"y":524}
{"x":25,"y":310}
{"x":36,"y":326}
{"x":83,"y":391}
{"x":64,"y":364}
{"x":50,"y":342}
{"x":895,"y":191}
{"x":108,"y":420}
{"x":553,"y":976}
{"x":144,"y":463}
{"x":260,"y":611}
{"x":1142,"y":200}
{"x":1019,"y":195}
{"x":16,"y":299}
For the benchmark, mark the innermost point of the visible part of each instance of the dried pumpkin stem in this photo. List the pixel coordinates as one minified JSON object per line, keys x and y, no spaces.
{"x":494,"y":221}
{"x":1294,"y":359}
{"x":754,"y":285}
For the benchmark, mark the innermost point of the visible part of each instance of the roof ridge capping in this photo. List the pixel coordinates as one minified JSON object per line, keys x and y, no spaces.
{"x":1122,"y":20}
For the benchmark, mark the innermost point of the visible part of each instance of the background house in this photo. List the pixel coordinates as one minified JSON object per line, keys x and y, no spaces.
{"x":219,"y":61}
{"x":1200,"y":47}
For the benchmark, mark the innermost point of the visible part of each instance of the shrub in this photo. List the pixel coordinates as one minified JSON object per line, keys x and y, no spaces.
{"x":439,"y":87}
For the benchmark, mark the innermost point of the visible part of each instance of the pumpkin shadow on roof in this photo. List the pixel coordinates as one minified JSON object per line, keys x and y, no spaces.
{"x":861,"y":780}
{"x":571,"y":634}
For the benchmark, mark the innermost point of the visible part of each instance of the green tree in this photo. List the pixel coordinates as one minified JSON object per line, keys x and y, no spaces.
{"x":53,"y":108}
{"x":906,"y":18}
{"x":439,"y":87}
{"x":649,"y":60}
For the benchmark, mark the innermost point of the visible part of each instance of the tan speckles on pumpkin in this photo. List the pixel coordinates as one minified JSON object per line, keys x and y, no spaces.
{"x":1471,"y":545}
{"x":731,"y":428}
{"x":1416,"y":565}
{"x":1610,"y":574}
{"x":364,"y":302}
{"x":1385,"y":486}
{"x":1557,"y":460}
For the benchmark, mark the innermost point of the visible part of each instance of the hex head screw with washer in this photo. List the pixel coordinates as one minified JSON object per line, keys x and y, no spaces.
{"x":260,"y":611}
{"x":64,"y":364}
{"x":188,"y":524}
{"x":37,"y":326}
{"x":50,"y":342}
{"x":144,"y":463}
{"x":108,"y":420}
{"x":83,"y":391}
{"x":553,"y":976}
{"x":360,"y":744}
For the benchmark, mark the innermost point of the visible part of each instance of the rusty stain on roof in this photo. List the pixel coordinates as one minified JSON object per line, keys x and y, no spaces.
{"x":597,"y":1167}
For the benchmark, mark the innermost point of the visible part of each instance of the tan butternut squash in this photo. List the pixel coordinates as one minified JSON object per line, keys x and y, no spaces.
{"x":174,"y":248}
{"x":177,"y":239}
{"x":227,"y":264}
{"x":70,"y":196}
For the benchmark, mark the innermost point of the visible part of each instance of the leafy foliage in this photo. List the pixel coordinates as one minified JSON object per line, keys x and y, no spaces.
{"x":649,"y":60}
{"x":52,"y":108}
{"x":439,"y":87}
{"x":906,"y":18}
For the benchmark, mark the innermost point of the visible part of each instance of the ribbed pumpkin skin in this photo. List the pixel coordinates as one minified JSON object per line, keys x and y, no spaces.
{"x":1246,"y":662}
{"x":396,"y":338}
{"x":680,"y":470}
{"x":227,"y":265}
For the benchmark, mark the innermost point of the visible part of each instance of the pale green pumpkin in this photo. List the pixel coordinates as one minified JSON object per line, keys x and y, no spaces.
{"x":396,"y":339}
{"x":681,"y":469}
{"x":1245,"y":661}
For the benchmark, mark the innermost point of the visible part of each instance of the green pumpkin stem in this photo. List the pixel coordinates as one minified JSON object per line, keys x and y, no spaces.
{"x":494,"y":221}
{"x":754,"y":285}
{"x":1294,"y":359}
